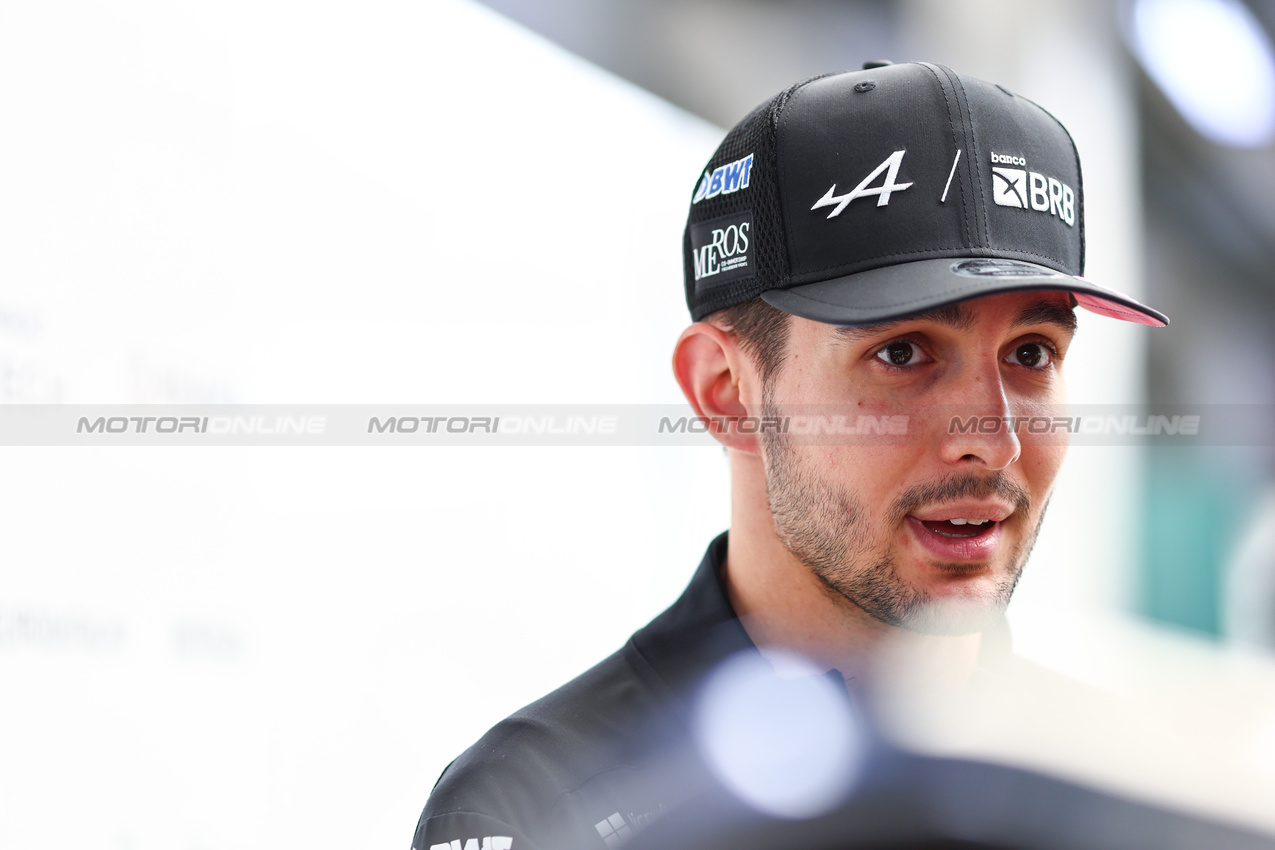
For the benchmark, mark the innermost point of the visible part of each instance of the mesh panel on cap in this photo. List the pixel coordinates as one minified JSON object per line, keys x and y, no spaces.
{"x":756,"y":135}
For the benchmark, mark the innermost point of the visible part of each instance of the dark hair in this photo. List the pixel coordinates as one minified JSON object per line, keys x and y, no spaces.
{"x":762,"y":331}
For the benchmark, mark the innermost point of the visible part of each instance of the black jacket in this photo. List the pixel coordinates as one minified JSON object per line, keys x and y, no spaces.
{"x":597,"y":760}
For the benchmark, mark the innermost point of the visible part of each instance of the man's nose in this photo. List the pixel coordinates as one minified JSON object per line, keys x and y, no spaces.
{"x":980,"y":427}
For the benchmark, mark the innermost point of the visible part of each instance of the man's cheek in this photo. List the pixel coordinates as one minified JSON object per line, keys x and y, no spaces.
{"x":869,"y":469}
{"x":1042,"y":463}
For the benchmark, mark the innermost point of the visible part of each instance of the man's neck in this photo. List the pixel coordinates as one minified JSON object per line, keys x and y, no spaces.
{"x":783,"y":604}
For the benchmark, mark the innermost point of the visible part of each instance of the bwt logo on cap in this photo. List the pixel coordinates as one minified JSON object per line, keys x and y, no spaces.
{"x":724,"y":179}
{"x":1018,"y":187}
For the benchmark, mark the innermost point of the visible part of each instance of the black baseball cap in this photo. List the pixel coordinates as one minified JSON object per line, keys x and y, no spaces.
{"x":873,"y":195}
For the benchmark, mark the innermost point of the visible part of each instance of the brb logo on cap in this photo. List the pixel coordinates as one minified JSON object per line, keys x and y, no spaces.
{"x":1018,"y":187}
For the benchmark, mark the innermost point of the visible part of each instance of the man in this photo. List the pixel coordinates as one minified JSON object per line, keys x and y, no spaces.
{"x":898,"y":245}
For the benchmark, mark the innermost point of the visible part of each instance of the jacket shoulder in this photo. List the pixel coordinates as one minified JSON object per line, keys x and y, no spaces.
{"x":533,"y":764}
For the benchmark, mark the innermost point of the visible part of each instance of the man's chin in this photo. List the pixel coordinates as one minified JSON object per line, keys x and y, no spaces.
{"x":953,"y":616}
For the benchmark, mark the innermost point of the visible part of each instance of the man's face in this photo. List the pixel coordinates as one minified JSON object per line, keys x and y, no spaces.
{"x":929,"y":530}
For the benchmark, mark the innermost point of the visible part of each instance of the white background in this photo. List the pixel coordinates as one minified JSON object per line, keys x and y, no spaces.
{"x":211,"y":648}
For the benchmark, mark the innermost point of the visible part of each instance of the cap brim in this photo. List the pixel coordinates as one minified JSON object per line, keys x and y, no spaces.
{"x":898,"y":291}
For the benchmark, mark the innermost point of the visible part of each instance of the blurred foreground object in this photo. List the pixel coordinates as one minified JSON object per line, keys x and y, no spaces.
{"x":918,"y":802}
{"x":1174,"y":750}
{"x":1250,"y":582}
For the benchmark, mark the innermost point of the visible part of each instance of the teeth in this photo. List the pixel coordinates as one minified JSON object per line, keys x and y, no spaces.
{"x":958,"y":521}
{"x":968,"y":521}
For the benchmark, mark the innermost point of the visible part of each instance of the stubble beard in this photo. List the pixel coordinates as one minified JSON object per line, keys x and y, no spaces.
{"x":826,"y":528}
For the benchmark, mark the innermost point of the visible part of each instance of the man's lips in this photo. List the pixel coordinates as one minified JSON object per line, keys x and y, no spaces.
{"x":964,"y":532}
{"x":970,"y":511}
{"x":959,"y":528}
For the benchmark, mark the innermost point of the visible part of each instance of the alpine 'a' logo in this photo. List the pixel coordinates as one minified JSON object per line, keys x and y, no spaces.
{"x":883,"y":192}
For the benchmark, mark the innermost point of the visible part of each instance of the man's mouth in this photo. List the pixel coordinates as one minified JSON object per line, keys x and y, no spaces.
{"x":970,"y":531}
{"x":960,"y":528}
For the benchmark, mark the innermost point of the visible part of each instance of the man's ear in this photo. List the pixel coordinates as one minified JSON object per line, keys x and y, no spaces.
{"x":719,"y":381}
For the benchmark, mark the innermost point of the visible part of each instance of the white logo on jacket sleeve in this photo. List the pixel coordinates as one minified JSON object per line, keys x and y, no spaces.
{"x":724,"y":179}
{"x":1024,"y":189}
{"x":489,"y":842}
{"x":883,"y":192}
{"x":614,"y":830}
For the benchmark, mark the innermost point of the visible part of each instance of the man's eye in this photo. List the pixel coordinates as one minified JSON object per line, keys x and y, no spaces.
{"x":1033,"y":355}
{"x":901,"y":353}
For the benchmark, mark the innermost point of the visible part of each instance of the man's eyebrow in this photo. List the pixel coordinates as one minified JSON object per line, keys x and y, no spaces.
{"x":956,"y":316}
{"x":1049,"y":313}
